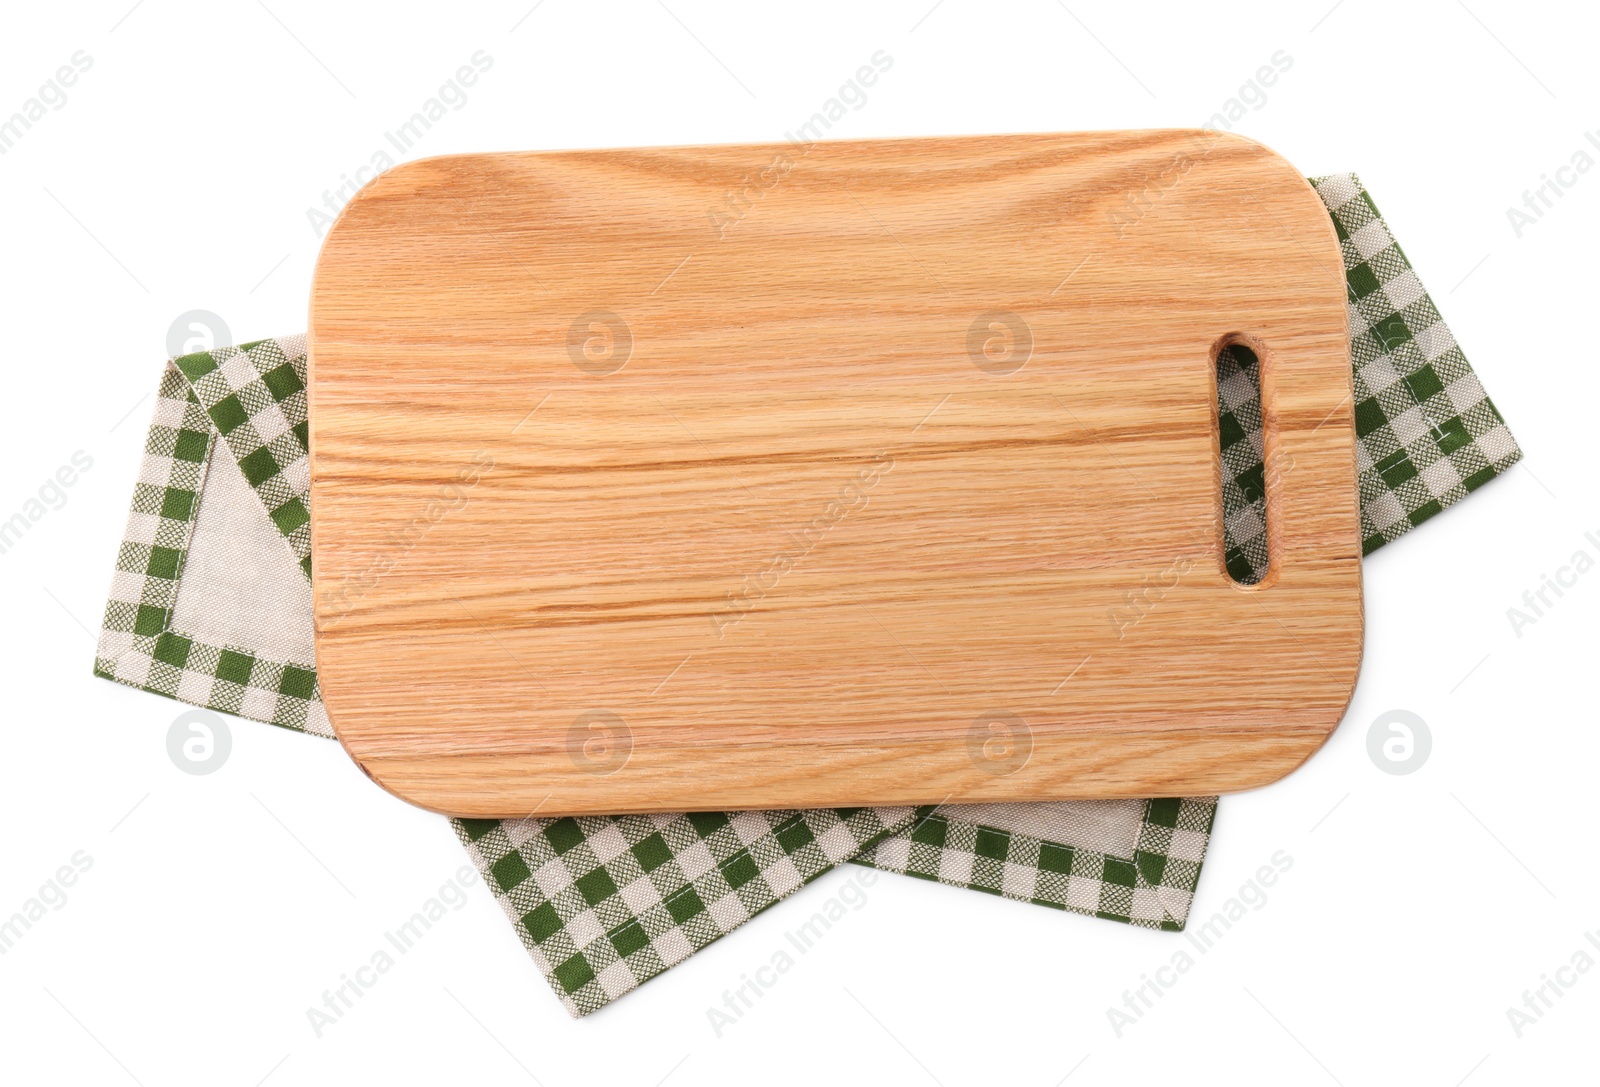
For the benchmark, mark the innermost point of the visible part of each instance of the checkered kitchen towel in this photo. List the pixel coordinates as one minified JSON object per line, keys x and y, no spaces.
{"x":208,"y":606}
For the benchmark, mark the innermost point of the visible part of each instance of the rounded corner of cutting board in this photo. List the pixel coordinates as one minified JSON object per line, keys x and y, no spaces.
{"x":1315,"y":213}
{"x":1305,"y":747}
{"x":411,"y":789}
{"x":360,"y":204}
{"x":1210,"y":138}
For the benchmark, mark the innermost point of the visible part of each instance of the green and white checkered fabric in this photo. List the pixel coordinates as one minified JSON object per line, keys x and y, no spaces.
{"x":1244,"y":478}
{"x":138,"y":645}
{"x":256,"y":398}
{"x":1427,"y":436}
{"x":604,"y":903}
{"x":1428,"y":432}
{"x":1150,"y":889}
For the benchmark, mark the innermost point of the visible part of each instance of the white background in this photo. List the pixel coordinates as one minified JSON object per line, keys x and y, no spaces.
{"x":219,"y":908}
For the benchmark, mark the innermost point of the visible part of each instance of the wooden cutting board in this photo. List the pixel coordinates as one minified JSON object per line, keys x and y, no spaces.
{"x":858,"y":473}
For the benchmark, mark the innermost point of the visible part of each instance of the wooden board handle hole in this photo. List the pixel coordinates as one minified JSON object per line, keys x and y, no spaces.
{"x":1246,"y":449}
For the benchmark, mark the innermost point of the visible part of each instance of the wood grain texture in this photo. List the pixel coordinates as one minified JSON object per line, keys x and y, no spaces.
{"x":819,"y":540}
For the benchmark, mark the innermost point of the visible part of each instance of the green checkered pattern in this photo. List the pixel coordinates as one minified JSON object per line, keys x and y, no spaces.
{"x":1244,"y":478}
{"x":138,"y":645}
{"x":1427,"y":436}
{"x":1151,"y":889}
{"x":604,"y":903}
{"x":255,"y":397}
{"x":1428,"y":433}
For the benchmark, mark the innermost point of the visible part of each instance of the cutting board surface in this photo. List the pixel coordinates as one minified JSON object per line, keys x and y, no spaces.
{"x":857,"y":473}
